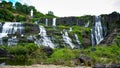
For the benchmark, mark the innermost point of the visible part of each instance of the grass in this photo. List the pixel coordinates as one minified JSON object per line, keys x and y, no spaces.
{"x":31,"y":54}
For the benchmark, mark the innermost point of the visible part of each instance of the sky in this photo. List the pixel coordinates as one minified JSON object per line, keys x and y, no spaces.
{"x":63,"y":8}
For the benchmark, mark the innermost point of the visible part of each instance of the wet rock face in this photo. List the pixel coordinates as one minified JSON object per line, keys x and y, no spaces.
{"x":68,"y":21}
{"x":86,"y":39}
{"x":43,"y":21}
{"x":111,"y":21}
{"x":31,"y":28}
{"x":111,"y":25}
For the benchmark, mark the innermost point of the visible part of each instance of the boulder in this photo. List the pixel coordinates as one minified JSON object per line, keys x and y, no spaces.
{"x":48,"y":50}
{"x":86,"y":60}
{"x":117,"y":65}
{"x":99,"y":65}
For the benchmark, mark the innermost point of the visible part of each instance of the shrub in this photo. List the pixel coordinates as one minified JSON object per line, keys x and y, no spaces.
{"x":31,"y":47}
{"x":18,"y":50}
{"x":61,"y":56}
{"x":27,"y":29}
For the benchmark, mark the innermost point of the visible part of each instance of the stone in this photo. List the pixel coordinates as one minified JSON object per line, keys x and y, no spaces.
{"x":86,"y":60}
{"x":117,"y":65}
{"x":99,"y":65}
{"x":48,"y":50}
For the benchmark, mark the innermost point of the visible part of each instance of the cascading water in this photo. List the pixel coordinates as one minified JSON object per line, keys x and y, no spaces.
{"x":70,"y":29}
{"x":12,"y":41}
{"x":92,"y":38}
{"x":97,"y":31}
{"x":67,"y":39}
{"x":54,"y":22}
{"x":77,"y":40}
{"x":86,"y":25}
{"x":44,"y":40}
{"x":10,"y":28}
{"x":46,"y":22}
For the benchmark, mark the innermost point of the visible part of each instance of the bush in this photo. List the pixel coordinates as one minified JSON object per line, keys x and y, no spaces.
{"x":18,"y":50}
{"x":62,"y":56}
{"x":27,"y":29}
{"x":31,"y":47}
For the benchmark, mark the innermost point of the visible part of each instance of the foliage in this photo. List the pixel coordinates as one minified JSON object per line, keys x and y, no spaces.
{"x":20,"y":18}
{"x":20,"y":12}
{"x":50,"y":14}
{"x":104,"y":54}
{"x":5,"y":39}
{"x":31,"y":54}
{"x":27,"y":29}
{"x":6,"y":15}
{"x":62,"y":56}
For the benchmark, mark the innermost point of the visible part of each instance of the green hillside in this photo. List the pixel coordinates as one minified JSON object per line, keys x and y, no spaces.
{"x":20,"y":12}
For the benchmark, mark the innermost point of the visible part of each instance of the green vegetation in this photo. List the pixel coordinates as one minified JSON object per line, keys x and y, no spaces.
{"x":20,"y":12}
{"x":30,"y":54}
{"x":63,"y":56}
{"x":27,"y":29}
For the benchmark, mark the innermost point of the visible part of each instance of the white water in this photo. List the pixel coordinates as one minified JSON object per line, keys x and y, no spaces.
{"x":36,"y":22}
{"x":54,"y":22}
{"x":97,"y":31}
{"x":10,"y":28}
{"x":77,"y":40}
{"x":86,"y":25}
{"x":46,"y":22}
{"x":12,"y":41}
{"x":70,"y":29}
{"x":92,"y":38}
{"x":44,"y":40}
{"x":67,"y":39}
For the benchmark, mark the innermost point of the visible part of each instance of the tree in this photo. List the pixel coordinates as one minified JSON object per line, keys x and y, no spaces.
{"x":18,"y":6}
{"x":50,"y":14}
{"x":6,"y":15}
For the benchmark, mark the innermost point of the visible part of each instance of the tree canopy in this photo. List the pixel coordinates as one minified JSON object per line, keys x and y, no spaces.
{"x":20,"y":12}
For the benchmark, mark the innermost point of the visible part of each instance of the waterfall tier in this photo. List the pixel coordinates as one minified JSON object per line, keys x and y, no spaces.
{"x":54,"y":22}
{"x":97,"y":31}
{"x":44,"y":40}
{"x":67,"y":39}
{"x":10,"y":28}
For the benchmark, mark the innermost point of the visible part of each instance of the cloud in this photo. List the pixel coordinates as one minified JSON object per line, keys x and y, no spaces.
{"x":117,"y":5}
{"x":74,"y":7}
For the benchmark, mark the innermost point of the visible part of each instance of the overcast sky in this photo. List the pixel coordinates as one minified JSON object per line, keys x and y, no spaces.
{"x":74,"y":7}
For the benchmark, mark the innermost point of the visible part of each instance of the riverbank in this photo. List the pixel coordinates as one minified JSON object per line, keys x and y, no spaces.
{"x":42,"y":66}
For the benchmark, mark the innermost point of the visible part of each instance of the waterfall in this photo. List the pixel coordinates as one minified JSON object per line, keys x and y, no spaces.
{"x":97,"y":31}
{"x":70,"y":29}
{"x":36,"y":22}
{"x":46,"y":22}
{"x":86,"y":25}
{"x":77,"y":40}
{"x":10,"y":28}
{"x":44,"y":40}
{"x":92,"y":38}
{"x":54,"y":22}
{"x":12,"y":41}
{"x":67,"y":39}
